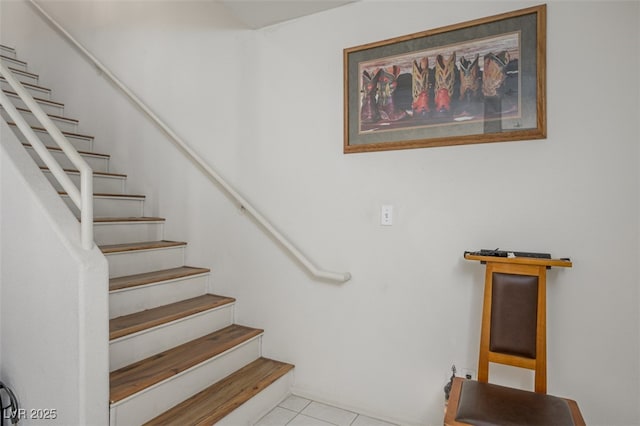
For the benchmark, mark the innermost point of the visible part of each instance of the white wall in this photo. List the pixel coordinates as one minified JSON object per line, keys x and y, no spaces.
{"x":265,"y":108}
{"x":58,"y":365}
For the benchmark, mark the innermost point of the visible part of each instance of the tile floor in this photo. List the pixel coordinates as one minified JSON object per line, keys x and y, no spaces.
{"x":297,"y":411}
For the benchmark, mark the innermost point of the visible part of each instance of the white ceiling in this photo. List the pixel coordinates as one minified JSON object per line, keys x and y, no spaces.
{"x":261,"y":13}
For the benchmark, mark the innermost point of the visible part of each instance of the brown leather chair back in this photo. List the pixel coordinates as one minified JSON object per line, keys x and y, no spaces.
{"x":514,"y":320}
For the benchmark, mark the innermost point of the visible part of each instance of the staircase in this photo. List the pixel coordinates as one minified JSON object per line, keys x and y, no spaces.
{"x":176,"y":355}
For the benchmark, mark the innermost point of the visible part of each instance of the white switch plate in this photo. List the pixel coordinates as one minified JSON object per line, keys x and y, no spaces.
{"x":386,"y":215}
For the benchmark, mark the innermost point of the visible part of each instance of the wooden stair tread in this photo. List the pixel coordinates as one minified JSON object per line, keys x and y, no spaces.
{"x":127,"y":219}
{"x":48,"y":101}
{"x":106,"y":194}
{"x":28,"y":73}
{"x":119,"y":175}
{"x":23,"y":72}
{"x":64,"y":132}
{"x":133,"y":323}
{"x":128,"y":281}
{"x":55,"y":148}
{"x":140,"y":375}
{"x":13,"y":59}
{"x":143,"y":245}
{"x":214,"y":403}
{"x":57,"y":117}
{"x":34,"y":86}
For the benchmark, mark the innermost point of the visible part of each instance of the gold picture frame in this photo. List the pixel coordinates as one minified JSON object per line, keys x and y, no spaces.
{"x":474,"y":82}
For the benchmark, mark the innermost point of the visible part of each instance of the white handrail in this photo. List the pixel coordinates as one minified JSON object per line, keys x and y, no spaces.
{"x":194,"y":157}
{"x":82,"y":198}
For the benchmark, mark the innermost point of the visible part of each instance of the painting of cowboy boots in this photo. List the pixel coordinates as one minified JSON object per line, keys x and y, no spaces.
{"x":472,"y":82}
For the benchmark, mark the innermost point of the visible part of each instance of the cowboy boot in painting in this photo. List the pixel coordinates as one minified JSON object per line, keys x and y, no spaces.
{"x":386,"y":88}
{"x":494,"y":73}
{"x":445,"y":80}
{"x":369,"y":110}
{"x":420,"y":87}
{"x":493,"y":77}
{"x":469,"y":79}
{"x":470,"y":82}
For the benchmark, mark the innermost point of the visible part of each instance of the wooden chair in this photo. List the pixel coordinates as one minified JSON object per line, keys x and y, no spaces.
{"x":513,"y":333}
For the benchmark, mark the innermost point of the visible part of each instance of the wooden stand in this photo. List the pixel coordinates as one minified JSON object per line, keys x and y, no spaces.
{"x":513,"y":333}
{"x":515,"y":278}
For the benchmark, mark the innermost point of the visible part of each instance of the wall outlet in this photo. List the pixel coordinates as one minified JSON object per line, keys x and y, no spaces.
{"x":386,"y":215}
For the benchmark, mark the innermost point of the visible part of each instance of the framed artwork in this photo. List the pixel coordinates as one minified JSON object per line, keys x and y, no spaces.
{"x":474,"y":82}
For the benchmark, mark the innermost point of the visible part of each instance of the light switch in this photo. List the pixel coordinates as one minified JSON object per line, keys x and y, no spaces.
{"x":386,"y":215}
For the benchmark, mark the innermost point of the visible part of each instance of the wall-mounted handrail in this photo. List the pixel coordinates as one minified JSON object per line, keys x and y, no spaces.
{"x":82,"y":198}
{"x":195,"y":158}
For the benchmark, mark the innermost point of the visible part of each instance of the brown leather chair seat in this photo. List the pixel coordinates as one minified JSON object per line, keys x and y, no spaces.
{"x":487,"y":404}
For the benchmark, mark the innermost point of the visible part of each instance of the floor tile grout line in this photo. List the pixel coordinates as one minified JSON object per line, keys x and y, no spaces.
{"x":297,"y":414}
{"x":324,"y":420}
{"x":300,"y":415}
{"x":289,"y":409}
{"x":300,"y":411}
{"x":315,"y":418}
{"x":332,"y":407}
{"x":305,"y":406}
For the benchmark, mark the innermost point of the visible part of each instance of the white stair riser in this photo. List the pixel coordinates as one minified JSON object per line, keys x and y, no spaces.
{"x":146,"y":405}
{"x":98,"y":164}
{"x":139,"y":298}
{"x":13,"y":63}
{"x":111,"y":207}
{"x":49,"y":108}
{"x":36,"y":92}
{"x":130,"y":232}
{"x":79,"y":143}
{"x":8,"y":52}
{"x":63,"y":125}
{"x":254,"y":409}
{"x":130,"y":349}
{"x":141,"y":261}
{"x":104,"y":184}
